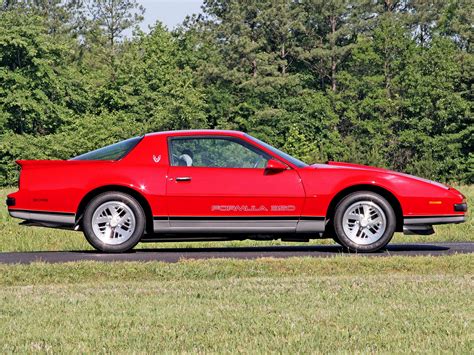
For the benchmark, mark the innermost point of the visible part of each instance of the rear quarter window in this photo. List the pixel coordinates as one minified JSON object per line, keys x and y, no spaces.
{"x":115,"y":151}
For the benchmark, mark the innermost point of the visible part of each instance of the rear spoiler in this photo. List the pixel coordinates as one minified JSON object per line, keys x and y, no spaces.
{"x":30,"y":163}
{"x":50,"y":163}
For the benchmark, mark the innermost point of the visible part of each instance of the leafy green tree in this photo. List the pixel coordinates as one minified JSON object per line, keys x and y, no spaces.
{"x":327,"y":38}
{"x":60,"y":16}
{"x":381,"y":82}
{"x":250,"y":70}
{"x":456,"y":23}
{"x":436,"y":121}
{"x":110,"y":18}
{"x":153,"y":83}
{"x":38,"y":89}
{"x":423,"y":18}
{"x":310,"y":131}
{"x":83,"y":135}
{"x":368,"y":101}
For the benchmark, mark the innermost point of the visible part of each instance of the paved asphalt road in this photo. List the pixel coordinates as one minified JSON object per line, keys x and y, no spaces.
{"x":176,"y":254}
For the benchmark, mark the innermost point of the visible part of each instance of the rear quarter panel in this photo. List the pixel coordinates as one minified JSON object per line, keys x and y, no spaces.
{"x":61,"y":186}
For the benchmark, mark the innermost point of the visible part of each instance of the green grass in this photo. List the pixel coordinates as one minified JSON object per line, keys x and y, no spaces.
{"x":347,"y":303}
{"x":14,"y":237}
{"x":220,"y":269}
{"x":343,"y":304}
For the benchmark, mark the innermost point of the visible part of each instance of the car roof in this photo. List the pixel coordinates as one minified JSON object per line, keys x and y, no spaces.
{"x":199,"y":132}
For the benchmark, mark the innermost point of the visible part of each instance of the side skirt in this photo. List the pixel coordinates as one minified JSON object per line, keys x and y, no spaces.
{"x":238,"y":225}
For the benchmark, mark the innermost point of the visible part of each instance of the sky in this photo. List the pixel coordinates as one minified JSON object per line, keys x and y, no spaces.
{"x":169,"y":12}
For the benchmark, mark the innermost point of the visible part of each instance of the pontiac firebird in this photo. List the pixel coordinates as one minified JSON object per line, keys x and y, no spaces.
{"x":225,"y":185}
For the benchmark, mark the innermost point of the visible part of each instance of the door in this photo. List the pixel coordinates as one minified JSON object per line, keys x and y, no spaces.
{"x":220,"y":184}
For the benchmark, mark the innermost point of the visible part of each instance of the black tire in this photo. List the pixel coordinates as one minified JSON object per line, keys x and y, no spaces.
{"x":382,"y":204}
{"x":330,"y":233}
{"x":134,"y":207}
{"x":336,"y":240}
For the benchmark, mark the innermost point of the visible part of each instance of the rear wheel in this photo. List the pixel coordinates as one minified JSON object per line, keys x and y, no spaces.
{"x":364,"y":222}
{"x":113,"y":222}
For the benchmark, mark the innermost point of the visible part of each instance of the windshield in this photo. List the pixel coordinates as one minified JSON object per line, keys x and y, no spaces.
{"x":278,"y":152}
{"x":111,"y":152}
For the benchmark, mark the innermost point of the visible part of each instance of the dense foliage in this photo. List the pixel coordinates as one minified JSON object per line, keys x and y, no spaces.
{"x":381,"y":82}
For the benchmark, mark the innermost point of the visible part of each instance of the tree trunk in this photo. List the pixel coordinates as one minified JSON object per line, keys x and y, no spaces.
{"x":283,"y":55}
{"x":332,"y":41}
{"x":386,"y":68}
{"x":388,"y":5}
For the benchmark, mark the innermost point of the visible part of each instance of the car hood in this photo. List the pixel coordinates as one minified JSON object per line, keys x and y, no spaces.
{"x":365,"y":168}
{"x":349,"y":166}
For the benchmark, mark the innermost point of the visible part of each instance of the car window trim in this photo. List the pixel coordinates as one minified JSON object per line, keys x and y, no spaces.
{"x":237,"y":140}
{"x":289,"y":162}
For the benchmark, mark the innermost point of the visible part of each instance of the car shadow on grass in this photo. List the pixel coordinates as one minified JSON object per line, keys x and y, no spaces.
{"x":246,"y":252}
{"x":330,"y":249}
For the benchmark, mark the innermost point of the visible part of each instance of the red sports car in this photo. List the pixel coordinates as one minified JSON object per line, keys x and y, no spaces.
{"x":225,"y":185}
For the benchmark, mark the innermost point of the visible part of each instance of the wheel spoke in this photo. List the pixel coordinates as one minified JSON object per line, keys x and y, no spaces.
{"x":356,"y":216}
{"x":353,"y":232}
{"x":368,"y":233}
{"x":366,"y":210}
{"x":364,"y":222}
{"x":102,"y":219}
{"x":375,"y":221}
{"x":113,"y":222}
{"x":108,"y":232}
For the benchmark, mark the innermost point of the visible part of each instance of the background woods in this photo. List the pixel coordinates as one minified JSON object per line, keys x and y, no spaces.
{"x":387,"y":83}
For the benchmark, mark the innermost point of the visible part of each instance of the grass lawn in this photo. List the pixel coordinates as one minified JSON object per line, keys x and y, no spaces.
{"x":340,"y":304}
{"x":343,"y":304}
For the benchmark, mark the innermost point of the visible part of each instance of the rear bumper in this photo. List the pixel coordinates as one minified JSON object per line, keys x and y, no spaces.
{"x":423,"y":225}
{"x":44,"y":217}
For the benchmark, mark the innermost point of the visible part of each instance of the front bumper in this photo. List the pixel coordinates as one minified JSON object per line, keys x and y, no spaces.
{"x":423,"y":225}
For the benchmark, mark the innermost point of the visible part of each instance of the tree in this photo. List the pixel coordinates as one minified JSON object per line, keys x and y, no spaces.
{"x":60,"y":16}
{"x":423,"y":18}
{"x":154,"y":83}
{"x":327,"y":38}
{"x":111,"y":18}
{"x":250,"y":70}
{"x":38,"y":90}
{"x":369,"y":98}
{"x":436,"y":121}
{"x":381,"y":82}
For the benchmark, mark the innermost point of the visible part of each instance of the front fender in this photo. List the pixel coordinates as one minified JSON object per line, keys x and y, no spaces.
{"x":416,"y":197}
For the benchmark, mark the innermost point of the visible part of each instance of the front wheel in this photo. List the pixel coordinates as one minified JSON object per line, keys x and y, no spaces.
{"x":364,"y":222}
{"x":113,"y":222}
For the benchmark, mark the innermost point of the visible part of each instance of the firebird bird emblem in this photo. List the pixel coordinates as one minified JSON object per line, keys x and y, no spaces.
{"x":156,"y":159}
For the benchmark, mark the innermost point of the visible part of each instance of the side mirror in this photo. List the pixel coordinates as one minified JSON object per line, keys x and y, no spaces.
{"x":274,"y":165}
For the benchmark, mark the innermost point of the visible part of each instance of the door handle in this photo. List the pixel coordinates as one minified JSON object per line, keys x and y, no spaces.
{"x":183,"y":178}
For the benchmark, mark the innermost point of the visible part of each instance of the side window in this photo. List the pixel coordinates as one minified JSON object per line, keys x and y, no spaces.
{"x":215,"y":152}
